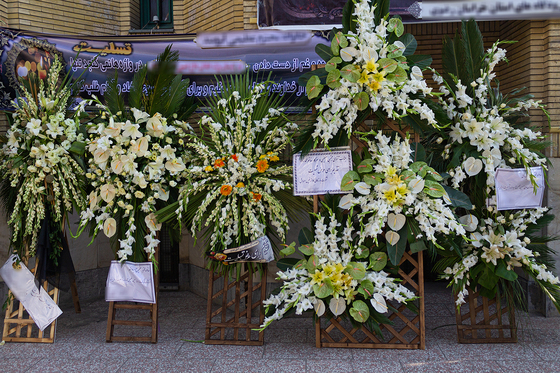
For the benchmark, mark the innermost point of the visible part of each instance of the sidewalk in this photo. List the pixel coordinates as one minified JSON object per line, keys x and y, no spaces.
{"x":289,"y":346}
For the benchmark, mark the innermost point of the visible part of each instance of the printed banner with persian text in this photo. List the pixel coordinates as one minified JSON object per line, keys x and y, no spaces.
{"x":22,"y":54}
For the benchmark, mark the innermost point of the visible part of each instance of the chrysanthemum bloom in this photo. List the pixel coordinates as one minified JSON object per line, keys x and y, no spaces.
{"x":219,"y":163}
{"x":225,"y":190}
{"x":256,"y":197}
{"x":262,"y":165}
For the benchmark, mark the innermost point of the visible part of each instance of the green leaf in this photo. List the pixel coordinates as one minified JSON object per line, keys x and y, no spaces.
{"x":395,"y":252}
{"x":410,"y":44}
{"x":503,"y":272}
{"x":432,"y":174}
{"x":420,"y":60}
{"x":373,"y":179}
{"x":350,"y":73}
{"x":305,"y":236}
{"x":333,"y":79}
{"x":407,"y":175}
{"x":433,"y":189}
{"x":417,"y":246}
{"x":488,"y":279}
{"x":474,"y":49}
{"x":359,"y":311}
{"x":365,"y":166}
{"x":306,"y":250}
{"x":364,"y":254}
{"x":314,"y":87}
{"x":398,"y":75}
{"x":289,"y":250}
{"x":301,"y":264}
{"x":366,"y":288}
{"x":458,"y":198}
{"x":312,"y":263}
{"x":377,"y":261}
{"x":323,"y":51}
{"x":396,"y":26}
{"x":323,"y":289}
{"x":394,"y":52}
{"x":361,"y":100}
{"x":349,"y":180}
{"x":332,"y":63}
{"x":416,"y":167}
{"x":286,"y":263}
{"x":388,"y":65}
{"x":356,"y":270}
{"x":78,"y":148}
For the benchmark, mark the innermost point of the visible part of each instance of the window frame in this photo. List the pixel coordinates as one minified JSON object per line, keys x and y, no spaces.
{"x":145,"y":13}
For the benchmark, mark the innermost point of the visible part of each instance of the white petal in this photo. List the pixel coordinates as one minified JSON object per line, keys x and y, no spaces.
{"x":392,"y":237}
{"x":378,"y":303}
{"x":396,"y":221}
{"x":346,"y":202}
{"x":472,"y":166}
{"x":362,"y":188}
{"x":337,"y":306}
{"x":319,"y":307}
{"x":469,"y":221}
{"x":416,"y":185}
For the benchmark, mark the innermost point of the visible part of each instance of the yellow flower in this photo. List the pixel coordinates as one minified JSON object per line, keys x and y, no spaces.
{"x":208,"y":169}
{"x":390,"y":171}
{"x":317,"y":277}
{"x":391,"y":195}
{"x":364,"y":79}
{"x":394,"y":179}
{"x":262,"y":165}
{"x":374,"y":85}
{"x":371,"y":66}
{"x":402,"y":190}
{"x":240,"y":185}
{"x":328,"y":269}
{"x":262,"y":156}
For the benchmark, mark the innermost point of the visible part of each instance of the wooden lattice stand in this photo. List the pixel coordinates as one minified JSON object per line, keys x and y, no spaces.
{"x":408,"y":331}
{"x":151,"y":321}
{"x":20,"y":327}
{"x":234,"y":308}
{"x":483,"y":320}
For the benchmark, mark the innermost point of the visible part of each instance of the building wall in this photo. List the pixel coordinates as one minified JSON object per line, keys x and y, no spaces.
{"x":212,"y":15}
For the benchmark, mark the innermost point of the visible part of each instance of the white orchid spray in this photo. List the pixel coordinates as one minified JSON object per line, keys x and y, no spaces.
{"x":239,"y":189}
{"x":40,"y":164}
{"x":497,"y":245}
{"x":366,"y":70}
{"x":336,"y":277}
{"x":399,"y":199}
{"x":135,"y":161}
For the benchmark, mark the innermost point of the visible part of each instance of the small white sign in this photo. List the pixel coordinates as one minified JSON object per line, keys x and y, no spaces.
{"x":489,"y":9}
{"x":321,"y":171}
{"x":258,"y":251}
{"x":37,"y":302}
{"x":131,"y":282}
{"x":514,"y":190}
{"x":251,"y":38}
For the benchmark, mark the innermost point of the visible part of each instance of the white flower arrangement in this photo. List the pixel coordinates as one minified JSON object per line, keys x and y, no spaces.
{"x":501,"y":241}
{"x":237,"y":170}
{"x":398,"y":197}
{"x":366,"y":70}
{"x":336,"y":274}
{"x":481,"y":138}
{"x":40,"y":158}
{"x":135,"y":161}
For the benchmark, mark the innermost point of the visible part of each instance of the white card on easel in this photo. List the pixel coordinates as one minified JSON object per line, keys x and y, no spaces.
{"x":321,"y":172}
{"x":130,"y":281}
{"x":514,"y":191}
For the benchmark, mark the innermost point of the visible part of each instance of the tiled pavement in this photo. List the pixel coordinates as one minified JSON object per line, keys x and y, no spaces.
{"x":80,"y":346}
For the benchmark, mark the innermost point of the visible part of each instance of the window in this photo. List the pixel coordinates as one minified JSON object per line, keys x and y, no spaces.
{"x":156,"y":14}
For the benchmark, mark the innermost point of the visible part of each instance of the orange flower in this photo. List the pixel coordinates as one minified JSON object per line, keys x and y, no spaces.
{"x":240,"y":185}
{"x":256,"y":197}
{"x":235,"y":157}
{"x":225,"y":190}
{"x":219,"y":163}
{"x":262,"y":165}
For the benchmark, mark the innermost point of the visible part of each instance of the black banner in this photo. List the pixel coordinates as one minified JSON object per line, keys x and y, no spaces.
{"x":22,"y":54}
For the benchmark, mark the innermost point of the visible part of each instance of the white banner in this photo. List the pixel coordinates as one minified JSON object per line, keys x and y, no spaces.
{"x":514,"y":191}
{"x":37,"y":302}
{"x":321,"y":172}
{"x":486,"y":10}
{"x":130,"y":281}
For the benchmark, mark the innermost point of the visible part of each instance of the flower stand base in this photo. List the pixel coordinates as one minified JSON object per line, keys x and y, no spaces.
{"x":408,"y":331}
{"x":17,"y":319}
{"x":483,"y":320}
{"x":235,"y":308}
{"x":151,"y":322}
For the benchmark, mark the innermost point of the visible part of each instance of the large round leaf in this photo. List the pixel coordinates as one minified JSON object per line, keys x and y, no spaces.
{"x":324,"y":289}
{"x":396,"y":26}
{"x":365,"y":165}
{"x":313,"y":87}
{"x":359,"y":311}
{"x":333,"y":79}
{"x":312,"y":263}
{"x":387,"y":64}
{"x":306,"y":250}
{"x":349,"y":180}
{"x":332,"y":64}
{"x":417,"y":167}
{"x":366,"y":288}
{"x":377,"y":261}
{"x":407,"y":175}
{"x":356,"y":270}
{"x":373,"y":179}
{"x":361,"y":100}
{"x":350,"y":73}
{"x":337,"y":306}
{"x":398,"y":75}
{"x":433,"y":189}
